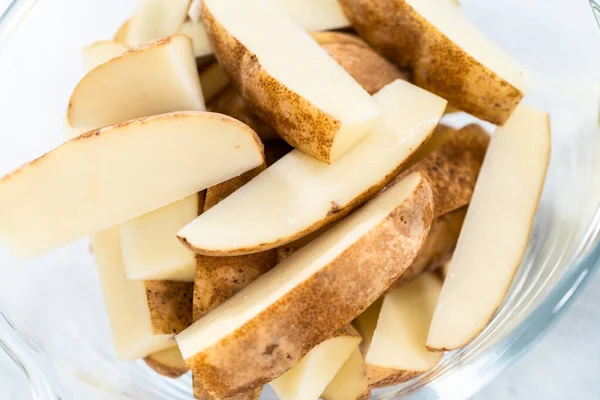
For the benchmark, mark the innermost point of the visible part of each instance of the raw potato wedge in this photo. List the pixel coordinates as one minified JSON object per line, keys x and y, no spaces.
{"x":449,"y":56}
{"x":298,"y":194}
{"x":496,"y":229}
{"x":169,"y":362}
{"x":230,"y":102}
{"x":100,"y":52}
{"x":151,"y":249}
{"x":126,"y":304}
{"x":285,"y":76}
{"x":307,"y":379}
{"x":438,"y":137}
{"x":364,"y":64}
{"x":350,"y":383}
{"x":453,"y":168}
{"x":200,"y":40}
{"x":121,"y":34}
{"x":126,"y":87}
{"x":201,"y":394}
{"x":315,"y":15}
{"x":438,"y":247}
{"x":366,"y":323}
{"x":397,"y":351}
{"x":78,"y":188}
{"x":170,"y":305}
{"x":155,"y":19}
{"x":265,"y":329}
{"x":213,"y":80}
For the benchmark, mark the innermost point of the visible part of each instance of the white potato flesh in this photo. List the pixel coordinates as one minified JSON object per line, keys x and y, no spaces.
{"x":296,"y":193}
{"x":450,"y":21}
{"x":155,"y":19}
{"x":213,"y":79}
{"x":496,"y":230}
{"x":100,"y":52}
{"x":350,"y":383}
{"x":125,"y":301}
{"x":293,"y":58}
{"x":402,"y":326}
{"x":170,"y":358}
{"x":156,"y":79}
{"x":151,"y":251}
{"x":197,"y":32}
{"x":315,"y":15}
{"x":109,"y":176}
{"x":292,"y":272}
{"x":307,"y":379}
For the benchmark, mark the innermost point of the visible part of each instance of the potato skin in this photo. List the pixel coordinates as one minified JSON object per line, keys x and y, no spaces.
{"x":163,"y":368}
{"x":380,"y":377}
{"x":399,"y":33}
{"x":277,"y":338}
{"x":297,"y":121}
{"x":170,"y":305}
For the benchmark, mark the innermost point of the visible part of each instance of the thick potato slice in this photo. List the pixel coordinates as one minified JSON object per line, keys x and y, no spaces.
{"x":202,"y":394}
{"x":169,"y":362}
{"x":155,"y":19}
{"x":126,"y":304}
{"x":397,"y":351}
{"x":298,"y":194}
{"x":121,"y":34}
{"x":364,"y":64}
{"x":350,"y":383}
{"x":449,"y":56}
{"x":79,"y":188}
{"x":494,"y":237}
{"x":100,"y":52}
{"x":266,"y":328}
{"x":199,"y":36}
{"x":290,"y":82}
{"x":170,"y":305}
{"x":307,"y":379}
{"x":126,"y":87}
{"x":213,"y":80}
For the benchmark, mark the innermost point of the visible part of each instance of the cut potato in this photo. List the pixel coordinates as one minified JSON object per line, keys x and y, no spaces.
{"x":298,"y":195}
{"x":315,"y":15}
{"x":350,"y":383}
{"x":438,"y":247}
{"x":127,"y":87}
{"x":126,"y":305}
{"x":307,"y":379}
{"x":266,"y":328}
{"x":397,"y":351}
{"x":496,"y":229}
{"x":452,"y":169}
{"x":364,"y":64}
{"x":440,"y":135}
{"x":170,"y":305}
{"x":288,"y":79}
{"x":201,"y":394}
{"x":213,"y":80}
{"x":197,"y":32}
{"x":100,"y":52}
{"x":151,"y":249}
{"x":366,"y":323}
{"x":169,"y":362}
{"x":155,"y":19}
{"x":79,"y":188}
{"x":121,"y":34}
{"x":448,"y":54}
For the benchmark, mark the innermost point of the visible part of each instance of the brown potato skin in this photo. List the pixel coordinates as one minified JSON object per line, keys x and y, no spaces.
{"x":170,"y":305}
{"x":170,"y":371}
{"x":380,"y":377}
{"x":452,"y":170}
{"x":394,"y":29}
{"x":277,"y":338}
{"x":297,"y":121}
{"x":201,"y":394}
{"x":365,"y":65}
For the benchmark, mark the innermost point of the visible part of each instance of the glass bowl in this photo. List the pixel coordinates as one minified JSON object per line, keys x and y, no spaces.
{"x":58,"y":332}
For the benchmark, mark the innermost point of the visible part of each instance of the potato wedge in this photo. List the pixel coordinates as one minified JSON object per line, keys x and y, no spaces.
{"x":121,"y":34}
{"x":453,"y":168}
{"x":201,"y":394}
{"x":364,"y":64}
{"x":285,"y":76}
{"x":298,"y":195}
{"x":350,"y":383}
{"x":78,"y":188}
{"x":266,"y":328}
{"x":496,"y":229}
{"x":169,"y":362}
{"x":100,"y":52}
{"x":449,"y":56}
{"x":155,"y":19}
{"x":307,"y":379}
{"x":213,"y":80}
{"x":199,"y":36}
{"x":170,"y":305}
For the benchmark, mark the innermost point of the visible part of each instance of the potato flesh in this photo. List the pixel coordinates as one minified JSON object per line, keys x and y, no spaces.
{"x":263,"y":292}
{"x":308,"y":379}
{"x":78,"y":188}
{"x":496,"y":229}
{"x":125,"y":302}
{"x":315,"y":15}
{"x":100,"y":52}
{"x":286,"y":52}
{"x":197,"y":32}
{"x":293,"y":196}
{"x":127,"y":88}
{"x":350,"y":383}
{"x":213,"y":80}
{"x":449,"y":20}
{"x":402,"y":326}
{"x":155,"y":19}
{"x":151,"y":249}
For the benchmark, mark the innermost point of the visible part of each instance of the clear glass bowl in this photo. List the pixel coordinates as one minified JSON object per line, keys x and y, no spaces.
{"x":62,"y":342}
